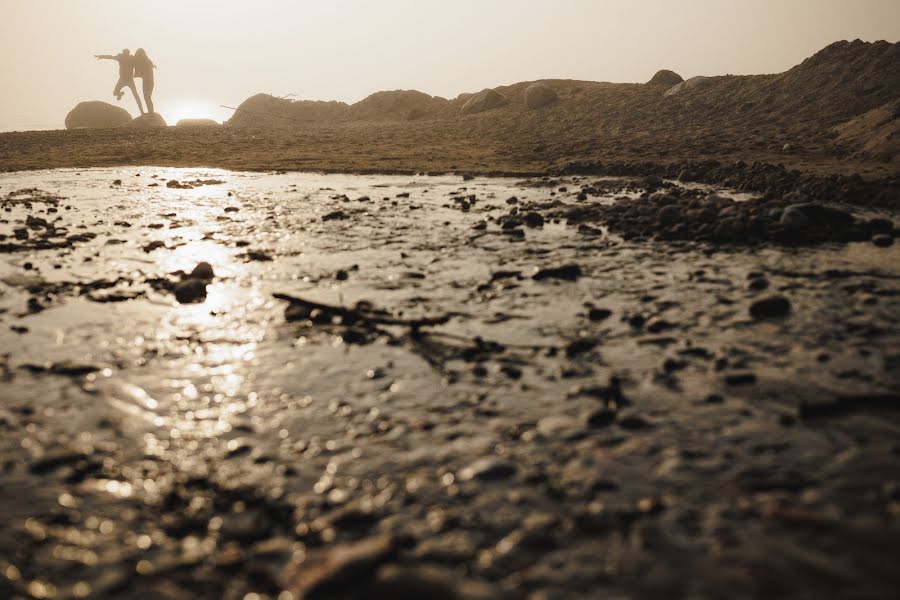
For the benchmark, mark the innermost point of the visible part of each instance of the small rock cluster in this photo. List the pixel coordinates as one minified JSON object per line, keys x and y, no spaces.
{"x":677,"y":213}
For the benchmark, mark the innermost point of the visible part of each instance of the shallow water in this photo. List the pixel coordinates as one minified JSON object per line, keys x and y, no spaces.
{"x":274,"y":416}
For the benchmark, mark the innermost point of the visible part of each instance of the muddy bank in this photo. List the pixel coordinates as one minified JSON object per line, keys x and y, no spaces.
{"x":396,"y":148}
{"x":392,"y":387}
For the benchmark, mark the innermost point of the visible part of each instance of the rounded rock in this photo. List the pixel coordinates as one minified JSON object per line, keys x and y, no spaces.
{"x":197,"y":123}
{"x":539,"y":95}
{"x":692,"y":83}
{"x":794,"y":219}
{"x":203,"y":271}
{"x":97,"y":115}
{"x":149,"y":120}
{"x":669,"y":215}
{"x":190,"y":291}
{"x":488,"y":468}
{"x":483,"y":101}
{"x":772,"y":307}
{"x":882,"y":240}
{"x":666,"y":77}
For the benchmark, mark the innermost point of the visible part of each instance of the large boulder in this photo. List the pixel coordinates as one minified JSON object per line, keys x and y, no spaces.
{"x":692,"y":83}
{"x":264,"y":111}
{"x":149,"y":120}
{"x":666,"y":77}
{"x":197,"y":123}
{"x":407,"y":105}
{"x":482,"y":101}
{"x":539,"y":95}
{"x":96,"y":115}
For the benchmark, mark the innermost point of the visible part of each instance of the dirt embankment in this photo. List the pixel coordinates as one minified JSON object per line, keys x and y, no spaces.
{"x":795,"y":111}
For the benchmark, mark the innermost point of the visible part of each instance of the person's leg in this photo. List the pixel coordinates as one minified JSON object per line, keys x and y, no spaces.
{"x":136,"y":97}
{"x":117,"y":92}
{"x":148,"y":93}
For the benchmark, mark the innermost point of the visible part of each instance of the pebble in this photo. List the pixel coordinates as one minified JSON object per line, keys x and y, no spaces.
{"x":746,"y":378}
{"x":580,"y":346}
{"x":883,"y":240}
{"x":602,"y":417}
{"x":487,"y":469}
{"x":190,"y":291}
{"x":418,"y":582}
{"x":758,"y":284}
{"x":570,"y":272}
{"x":557,"y":425}
{"x":794,"y":219}
{"x":257,"y":255}
{"x":599,"y":314}
{"x":328,"y":572}
{"x":880,"y":225}
{"x":249,"y":525}
{"x":770,"y":308}
{"x":54,"y":459}
{"x":450,"y":548}
{"x":633,"y":421}
{"x":533,"y":219}
{"x":669,"y":215}
{"x":203,"y":271}
{"x":659,"y":325}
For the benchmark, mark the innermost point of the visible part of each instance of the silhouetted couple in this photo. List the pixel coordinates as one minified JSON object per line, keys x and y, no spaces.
{"x":130,"y":67}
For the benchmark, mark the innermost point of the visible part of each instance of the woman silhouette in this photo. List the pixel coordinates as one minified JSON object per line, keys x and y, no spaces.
{"x":143,"y":68}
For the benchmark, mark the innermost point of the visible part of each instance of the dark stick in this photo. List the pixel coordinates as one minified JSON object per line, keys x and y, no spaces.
{"x":363,"y":315}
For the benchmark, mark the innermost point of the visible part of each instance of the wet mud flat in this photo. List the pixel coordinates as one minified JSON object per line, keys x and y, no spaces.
{"x":233,"y":385}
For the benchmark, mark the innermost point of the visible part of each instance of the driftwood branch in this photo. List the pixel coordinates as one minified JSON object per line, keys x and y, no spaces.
{"x":369,"y":315}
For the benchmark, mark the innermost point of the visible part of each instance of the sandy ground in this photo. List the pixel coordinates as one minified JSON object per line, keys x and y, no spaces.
{"x":474,"y":145}
{"x":408,"y":387}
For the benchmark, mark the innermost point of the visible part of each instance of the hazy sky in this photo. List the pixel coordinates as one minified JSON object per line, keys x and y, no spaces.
{"x":213,"y":52}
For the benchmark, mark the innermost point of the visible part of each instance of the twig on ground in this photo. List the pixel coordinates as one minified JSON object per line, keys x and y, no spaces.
{"x":363,"y":312}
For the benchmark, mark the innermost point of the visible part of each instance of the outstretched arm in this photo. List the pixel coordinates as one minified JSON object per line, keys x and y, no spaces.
{"x":108,"y":56}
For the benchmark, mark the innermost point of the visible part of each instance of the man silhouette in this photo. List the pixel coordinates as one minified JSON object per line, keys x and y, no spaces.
{"x":126,"y":75}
